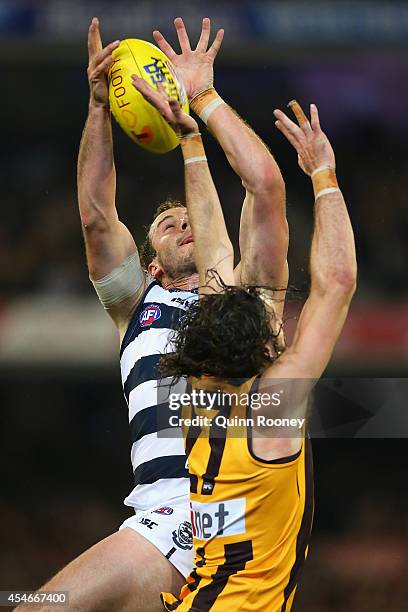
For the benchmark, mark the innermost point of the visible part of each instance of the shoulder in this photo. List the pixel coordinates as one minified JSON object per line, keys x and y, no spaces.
{"x":158,"y":309}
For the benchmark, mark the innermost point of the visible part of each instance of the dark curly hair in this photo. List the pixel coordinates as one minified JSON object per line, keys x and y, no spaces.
{"x":146,"y":251}
{"x":223,"y":335}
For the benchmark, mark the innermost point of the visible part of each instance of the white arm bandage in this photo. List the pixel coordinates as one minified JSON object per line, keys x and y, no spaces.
{"x":126,"y":280}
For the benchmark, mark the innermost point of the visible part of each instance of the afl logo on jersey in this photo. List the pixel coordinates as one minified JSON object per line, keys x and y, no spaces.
{"x":164,"y":510}
{"x":149,"y":315}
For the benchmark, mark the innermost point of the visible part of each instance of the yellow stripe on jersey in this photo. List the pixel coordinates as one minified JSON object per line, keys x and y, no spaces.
{"x":251,"y":518}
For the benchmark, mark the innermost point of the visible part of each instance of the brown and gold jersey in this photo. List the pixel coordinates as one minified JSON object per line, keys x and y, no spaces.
{"x":251,"y":518}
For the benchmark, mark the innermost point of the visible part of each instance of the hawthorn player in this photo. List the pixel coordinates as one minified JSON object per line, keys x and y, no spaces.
{"x":252,"y":496}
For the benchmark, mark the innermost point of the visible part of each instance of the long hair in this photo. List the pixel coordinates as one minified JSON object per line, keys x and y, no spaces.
{"x":223,"y":334}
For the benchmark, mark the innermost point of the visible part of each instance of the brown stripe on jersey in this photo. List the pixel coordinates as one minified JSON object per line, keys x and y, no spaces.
{"x":200,"y":552}
{"x":193,"y":483}
{"x":193,"y":433}
{"x":192,"y":436}
{"x":172,"y":606}
{"x":236,"y":557}
{"x":192,"y":586}
{"x":303,"y":537}
{"x":217,"y":440}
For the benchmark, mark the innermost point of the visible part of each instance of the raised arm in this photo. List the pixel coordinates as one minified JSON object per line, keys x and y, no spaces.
{"x":333,"y":279}
{"x":263,"y":230}
{"x":332,"y":261}
{"x":212,"y":246}
{"x":110,"y":249}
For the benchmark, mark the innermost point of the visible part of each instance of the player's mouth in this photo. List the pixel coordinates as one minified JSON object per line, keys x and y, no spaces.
{"x":187,"y":240}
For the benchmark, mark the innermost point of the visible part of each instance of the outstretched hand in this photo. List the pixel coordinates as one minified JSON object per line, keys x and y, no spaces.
{"x":311,"y":143}
{"x":99,"y":61}
{"x":194,"y":65}
{"x":169,"y":108}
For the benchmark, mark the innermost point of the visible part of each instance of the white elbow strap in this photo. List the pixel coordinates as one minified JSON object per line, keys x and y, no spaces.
{"x":124,"y":281}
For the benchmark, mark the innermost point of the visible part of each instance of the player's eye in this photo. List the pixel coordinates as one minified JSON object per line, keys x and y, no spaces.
{"x":168,"y":225}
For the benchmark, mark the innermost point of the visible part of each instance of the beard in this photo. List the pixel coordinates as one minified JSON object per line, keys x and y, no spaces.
{"x":178,"y":265}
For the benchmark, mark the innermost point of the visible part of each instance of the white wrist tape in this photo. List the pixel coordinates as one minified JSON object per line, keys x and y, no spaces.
{"x":126,"y":280}
{"x":209,"y":109}
{"x":189,"y":135}
{"x":205,"y":102}
{"x":320,"y":169}
{"x":327,"y":191}
{"x":193,"y":160}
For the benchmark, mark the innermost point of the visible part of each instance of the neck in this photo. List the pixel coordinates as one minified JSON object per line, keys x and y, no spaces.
{"x":186,"y":283}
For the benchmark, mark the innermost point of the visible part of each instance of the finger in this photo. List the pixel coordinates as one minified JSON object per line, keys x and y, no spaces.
{"x":182,"y":34}
{"x":145,"y":88}
{"x":154,"y":97}
{"x":164,"y":45}
{"x":287,"y":133}
{"x":301,"y":118}
{"x":204,"y":36}
{"x":94,"y":38}
{"x":302,"y":165}
{"x":175,"y":107}
{"x":100,"y":68}
{"x":179,"y":117}
{"x":102,"y":55}
{"x":162,"y":90}
{"x":314,"y":117}
{"x":215,"y":47}
{"x":149,"y":94}
{"x":288,"y":123}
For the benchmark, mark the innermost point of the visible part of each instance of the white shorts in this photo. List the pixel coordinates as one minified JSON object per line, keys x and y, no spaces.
{"x":169,"y":529}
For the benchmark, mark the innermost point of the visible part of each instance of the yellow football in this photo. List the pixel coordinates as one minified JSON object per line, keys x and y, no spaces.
{"x":141,"y":122}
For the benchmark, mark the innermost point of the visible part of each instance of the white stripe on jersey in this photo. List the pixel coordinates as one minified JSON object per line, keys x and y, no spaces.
{"x":171,"y":298}
{"x":151,"y":341}
{"x":154,"y":447}
{"x":145,"y":395}
{"x":148,"y":447}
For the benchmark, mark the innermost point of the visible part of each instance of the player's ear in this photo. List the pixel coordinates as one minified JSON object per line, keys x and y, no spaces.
{"x":155,"y":270}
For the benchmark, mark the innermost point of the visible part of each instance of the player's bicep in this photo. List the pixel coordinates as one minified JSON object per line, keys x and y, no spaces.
{"x":107,"y":245}
{"x":115,"y":271}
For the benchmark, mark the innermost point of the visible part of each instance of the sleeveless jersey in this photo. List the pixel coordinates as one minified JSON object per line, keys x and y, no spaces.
{"x":251,"y":518}
{"x":159,"y":464}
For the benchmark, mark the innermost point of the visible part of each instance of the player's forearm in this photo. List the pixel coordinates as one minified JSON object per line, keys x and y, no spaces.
{"x":333,"y":258}
{"x":247,"y":154}
{"x":211,"y":241}
{"x":96,"y":169}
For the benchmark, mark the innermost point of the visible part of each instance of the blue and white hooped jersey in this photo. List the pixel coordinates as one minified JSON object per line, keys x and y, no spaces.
{"x":159,"y":463}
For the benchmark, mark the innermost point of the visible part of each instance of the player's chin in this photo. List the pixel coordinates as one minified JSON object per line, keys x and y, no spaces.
{"x":186,"y":251}
{"x":186,"y":261}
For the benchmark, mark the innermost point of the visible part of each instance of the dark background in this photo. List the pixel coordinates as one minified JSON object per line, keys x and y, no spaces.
{"x":64,"y":440}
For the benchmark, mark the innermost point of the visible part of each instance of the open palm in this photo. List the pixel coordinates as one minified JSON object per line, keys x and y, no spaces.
{"x":195,"y":66}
